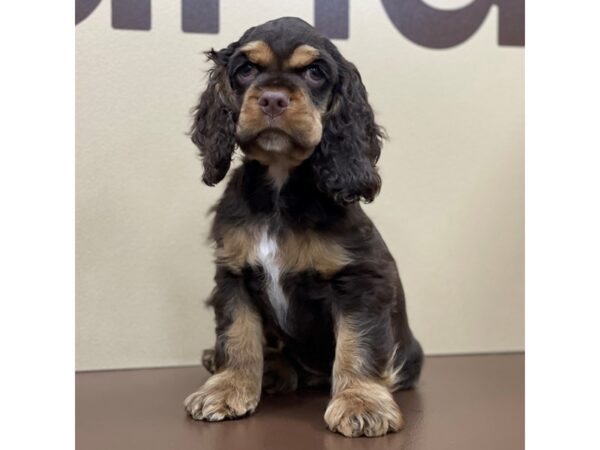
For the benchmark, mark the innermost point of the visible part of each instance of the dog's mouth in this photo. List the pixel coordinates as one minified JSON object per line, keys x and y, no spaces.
{"x":270,"y":139}
{"x":273,"y":146}
{"x":274,"y":140}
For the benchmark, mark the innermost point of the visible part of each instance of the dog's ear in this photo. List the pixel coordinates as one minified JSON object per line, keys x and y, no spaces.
{"x":213,"y":129}
{"x":344,"y":162}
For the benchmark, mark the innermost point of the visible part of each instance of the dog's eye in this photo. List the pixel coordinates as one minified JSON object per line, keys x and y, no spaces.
{"x":246,"y":73}
{"x":314,"y":76}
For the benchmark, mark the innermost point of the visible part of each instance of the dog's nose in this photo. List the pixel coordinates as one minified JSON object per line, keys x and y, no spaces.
{"x":273,"y":103}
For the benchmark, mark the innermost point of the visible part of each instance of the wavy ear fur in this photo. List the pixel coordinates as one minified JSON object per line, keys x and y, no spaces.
{"x":344,"y":162}
{"x":213,"y":130}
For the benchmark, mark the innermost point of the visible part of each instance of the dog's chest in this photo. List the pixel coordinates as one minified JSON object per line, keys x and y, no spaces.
{"x":280,"y":255}
{"x":268,"y":255}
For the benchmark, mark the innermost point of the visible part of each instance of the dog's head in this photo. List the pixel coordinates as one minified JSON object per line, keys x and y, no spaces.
{"x":284,"y":94}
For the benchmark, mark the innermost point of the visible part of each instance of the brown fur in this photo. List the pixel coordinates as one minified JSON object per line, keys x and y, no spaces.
{"x":361,"y":404}
{"x":301,"y":119}
{"x":244,"y":340}
{"x":236,"y":248}
{"x":259,"y":52}
{"x":329,"y":290}
{"x":299,"y":251}
{"x":235,"y":390}
{"x":311,"y":251}
{"x":301,"y":57}
{"x":279,"y":374}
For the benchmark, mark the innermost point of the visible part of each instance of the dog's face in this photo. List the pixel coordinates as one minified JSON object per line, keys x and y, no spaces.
{"x":284,"y":94}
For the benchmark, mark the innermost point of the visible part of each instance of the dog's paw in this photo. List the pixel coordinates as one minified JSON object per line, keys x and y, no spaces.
{"x":225,"y":395}
{"x":363,"y":412}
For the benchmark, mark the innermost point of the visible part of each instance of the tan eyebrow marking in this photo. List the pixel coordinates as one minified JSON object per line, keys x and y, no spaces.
{"x":301,"y":57}
{"x":259,"y":52}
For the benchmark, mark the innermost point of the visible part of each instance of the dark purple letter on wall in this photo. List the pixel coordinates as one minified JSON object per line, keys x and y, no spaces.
{"x":414,"y":19}
{"x":332,"y":18}
{"x":131,"y":14}
{"x":200,"y":16}
{"x":437,"y":28}
{"x":83,"y":8}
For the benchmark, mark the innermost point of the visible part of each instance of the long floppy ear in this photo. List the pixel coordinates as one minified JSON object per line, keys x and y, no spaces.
{"x":344,"y":162}
{"x":213,"y":130}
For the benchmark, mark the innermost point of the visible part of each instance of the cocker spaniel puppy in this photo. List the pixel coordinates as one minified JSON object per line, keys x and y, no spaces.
{"x":306,"y":290}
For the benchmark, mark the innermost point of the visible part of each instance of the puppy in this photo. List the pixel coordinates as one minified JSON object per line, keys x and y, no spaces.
{"x":306,"y":290}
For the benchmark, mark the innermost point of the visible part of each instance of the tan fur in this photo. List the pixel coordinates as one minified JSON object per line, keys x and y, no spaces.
{"x":279,"y":375}
{"x":280,"y":153}
{"x":301,"y":105}
{"x":309,"y":250}
{"x":250,"y":112}
{"x":301,"y":119}
{"x":299,"y":251}
{"x":391,"y":376}
{"x":244,"y":340}
{"x":259,"y":52}
{"x":279,"y":164}
{"x":235,"y":390}
{"x":279,"y":171}
{"x":237,"y":248}
{"x":365,"y":409}
{"x":301,"y":57}
{"x":360,"y":405}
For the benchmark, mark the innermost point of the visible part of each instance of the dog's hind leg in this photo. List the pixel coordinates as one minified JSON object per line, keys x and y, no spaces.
{"x":208,"y":360}
{"x":407,"y":366}
{"x":279,"y":374}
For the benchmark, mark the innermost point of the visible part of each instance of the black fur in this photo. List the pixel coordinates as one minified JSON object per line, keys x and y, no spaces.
{"x":344,"y":162}
{"x":321,"y":194}
{"x":213,"y":130}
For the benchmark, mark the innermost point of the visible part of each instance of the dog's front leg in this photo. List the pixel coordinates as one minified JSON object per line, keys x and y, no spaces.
{"x":361,"y":403}
{"x":234,"y":390}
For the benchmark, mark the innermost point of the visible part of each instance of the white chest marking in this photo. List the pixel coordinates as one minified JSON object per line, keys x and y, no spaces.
{"x":267,"y":256}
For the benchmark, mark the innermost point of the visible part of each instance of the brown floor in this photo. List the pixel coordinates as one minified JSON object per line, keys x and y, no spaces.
{"x":462,"y":403}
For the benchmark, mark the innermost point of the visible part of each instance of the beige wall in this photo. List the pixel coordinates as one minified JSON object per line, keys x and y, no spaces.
{"x":451,"y":208}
